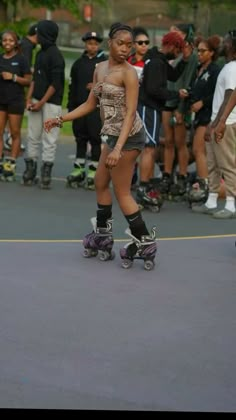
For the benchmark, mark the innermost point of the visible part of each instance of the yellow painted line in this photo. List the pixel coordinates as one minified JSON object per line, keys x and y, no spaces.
{"x":71,"y":241}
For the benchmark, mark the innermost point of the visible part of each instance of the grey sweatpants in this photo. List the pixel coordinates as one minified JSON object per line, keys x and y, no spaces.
{"x":37,"y":136}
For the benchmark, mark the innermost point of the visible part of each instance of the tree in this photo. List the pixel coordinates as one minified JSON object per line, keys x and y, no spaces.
{"x":72,"y":5}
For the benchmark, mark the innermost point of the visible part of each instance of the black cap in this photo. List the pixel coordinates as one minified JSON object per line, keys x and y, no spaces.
{"x":92,"y":35}
{"x":32,"y":30}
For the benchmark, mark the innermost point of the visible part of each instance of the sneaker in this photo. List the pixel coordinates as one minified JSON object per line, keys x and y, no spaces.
{"x":224,"y":214}
{"x":203,"y":209}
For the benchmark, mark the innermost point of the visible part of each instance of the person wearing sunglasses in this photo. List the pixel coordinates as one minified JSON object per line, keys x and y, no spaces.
{"x":136,"y":59}
{"x":221,"y":156}
{"x":200,"y":102}
{"x":141,"y":45}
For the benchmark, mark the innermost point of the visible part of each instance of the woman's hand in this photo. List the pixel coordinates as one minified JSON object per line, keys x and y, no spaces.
{"x":196,"y":106}
{"x":6,"y":75}
{"x":183,"y":93}
{"x":208,"y":133}
{"x":113,"y":158}
{"x":178,"y":117}
{"x":50,"y":123}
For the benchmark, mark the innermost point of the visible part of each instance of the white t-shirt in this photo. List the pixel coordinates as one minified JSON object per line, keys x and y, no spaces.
{"x":226,"y":80}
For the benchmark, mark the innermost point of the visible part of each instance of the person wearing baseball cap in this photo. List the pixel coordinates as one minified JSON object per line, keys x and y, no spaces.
{"x":86,"y":129}
{"x":92,"y":35}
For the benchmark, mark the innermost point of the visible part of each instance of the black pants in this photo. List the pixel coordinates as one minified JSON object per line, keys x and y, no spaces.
{"x":87,"y":129}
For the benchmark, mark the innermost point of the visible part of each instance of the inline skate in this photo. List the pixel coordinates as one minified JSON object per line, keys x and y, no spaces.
{"x":198,"y":192}
{"x":77,"y":177}
{"x":148,"y":198}
{"x":178,"y":190}
{"x":165,"y":185}
{"x":89,"y":183}
{"x":45,"y":181}
{"x":9,"y":170}
{"x":1,"y":167}
{"x":99,"y":242}
{"x":30,"y":173}
{"x":140,"y":249}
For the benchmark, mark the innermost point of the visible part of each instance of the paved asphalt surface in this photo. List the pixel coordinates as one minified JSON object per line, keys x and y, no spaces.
{"x":79,"y":333}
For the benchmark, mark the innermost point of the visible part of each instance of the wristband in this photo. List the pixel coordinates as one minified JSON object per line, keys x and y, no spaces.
{"x":14,"y":77}
{"x":59,"y":121}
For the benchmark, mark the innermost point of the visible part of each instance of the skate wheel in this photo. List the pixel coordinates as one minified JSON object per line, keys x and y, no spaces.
{"x":149,"y":265}
{"x":127,"y":263}
{"x":73,"y":185}
{"x":88,"y":253}
{"x":106,"y":255}
{"x":155,"y":209}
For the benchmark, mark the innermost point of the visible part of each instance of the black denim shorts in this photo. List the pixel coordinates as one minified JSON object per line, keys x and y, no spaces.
{"x":134,"y":142}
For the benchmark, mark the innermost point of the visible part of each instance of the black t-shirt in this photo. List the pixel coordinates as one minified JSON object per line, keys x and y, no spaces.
{"x":11,"y":92}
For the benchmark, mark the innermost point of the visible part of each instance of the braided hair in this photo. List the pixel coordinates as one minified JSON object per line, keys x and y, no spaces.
{"x":115,"y":27}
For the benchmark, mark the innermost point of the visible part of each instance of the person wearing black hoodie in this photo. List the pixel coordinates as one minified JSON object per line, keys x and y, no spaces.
{"x":86,"y":129}
{"x":153,"y":94}
{"x":44,"y":100}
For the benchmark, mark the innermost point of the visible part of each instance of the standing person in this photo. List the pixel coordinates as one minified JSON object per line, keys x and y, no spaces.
{"x":116,"y":90}
{"x":44,"y":100}
{"x":200,"y":100}
{"x":221,"y":156}
{"x":14,"y":76}
{"x":28,"y":44}
{"x":174,"y":117}
{"x":141,"y":45}
{"x":153,"y":94}
{"x":87,"y":129}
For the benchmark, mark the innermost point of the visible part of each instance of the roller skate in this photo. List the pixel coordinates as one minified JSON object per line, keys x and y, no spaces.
{"x":165,"y":185}
{"x":45,"y":181}
{"x":148,"y":198}
{"x":29,"y":175}
{"x":99,"y":242}
{"x":198,"y":192}
{"x":77,"y":177}
{"x":144,"y":249}
{"x":1,"y":167}
{"x":178,"y":190}
{"x":89,"y":184}
{"x":9,"y":170}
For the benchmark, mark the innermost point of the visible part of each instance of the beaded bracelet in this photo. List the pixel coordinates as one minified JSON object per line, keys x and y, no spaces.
{"x":59,"y":121}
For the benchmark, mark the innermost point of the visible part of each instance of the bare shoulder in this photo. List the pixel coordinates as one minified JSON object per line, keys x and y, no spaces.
{"x":101,"y":66}
{"x":129,"y":72}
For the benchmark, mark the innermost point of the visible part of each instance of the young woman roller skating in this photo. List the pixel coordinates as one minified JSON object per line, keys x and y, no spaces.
{"x":116,"y":91}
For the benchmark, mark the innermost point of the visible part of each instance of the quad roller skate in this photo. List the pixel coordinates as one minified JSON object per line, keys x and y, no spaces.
{"x":144,"y":249}
{"x":148,"y":198}
{"x":30,"y":173}
{"x":99,"y":242}
{"x":178,"y":190}
{"x":77,"y":177}
{"x":9,"y":170}
{"x":89,"y":183}
{"x":45,"y":181}
{"x":198,"y":192}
